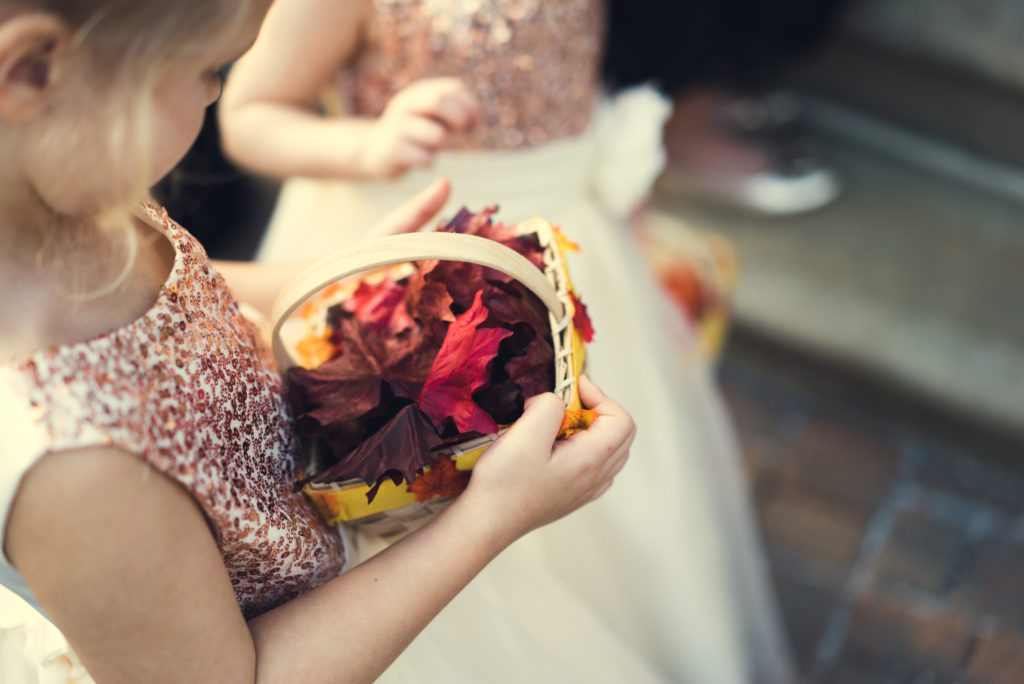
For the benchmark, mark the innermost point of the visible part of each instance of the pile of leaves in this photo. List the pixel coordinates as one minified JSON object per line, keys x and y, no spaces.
{"x":437,"y":357}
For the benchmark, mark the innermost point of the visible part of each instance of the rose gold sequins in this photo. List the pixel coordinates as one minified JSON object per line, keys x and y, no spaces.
{"x":189,"y":388}
{"x":534,"y":65}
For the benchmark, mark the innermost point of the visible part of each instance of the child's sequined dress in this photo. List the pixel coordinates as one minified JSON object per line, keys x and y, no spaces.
{"x":193,"y":392}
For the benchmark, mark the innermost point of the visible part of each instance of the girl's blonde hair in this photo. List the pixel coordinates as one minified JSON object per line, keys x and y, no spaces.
{"x":131,"y":45}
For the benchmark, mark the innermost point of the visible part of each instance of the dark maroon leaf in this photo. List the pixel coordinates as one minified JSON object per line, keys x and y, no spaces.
{"x":402,"y":445}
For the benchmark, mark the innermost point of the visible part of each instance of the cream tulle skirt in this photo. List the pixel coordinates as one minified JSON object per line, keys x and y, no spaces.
{"x":32,"y":650}
{"x":662,"y":579}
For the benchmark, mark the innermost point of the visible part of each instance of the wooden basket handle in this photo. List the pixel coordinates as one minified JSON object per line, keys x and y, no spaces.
{"x":396,"y":249}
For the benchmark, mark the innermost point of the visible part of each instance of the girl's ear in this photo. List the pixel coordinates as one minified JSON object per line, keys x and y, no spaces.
{"x":32,"y":48}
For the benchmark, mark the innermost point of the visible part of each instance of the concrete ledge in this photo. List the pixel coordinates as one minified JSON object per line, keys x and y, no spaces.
{"x":911,"y":276}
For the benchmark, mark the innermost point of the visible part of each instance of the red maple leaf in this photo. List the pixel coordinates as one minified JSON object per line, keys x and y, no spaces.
{"x":580,"y":319}
{"x":461,"y":368}
{"x":441,"y":479}
{"x":380,"y":305}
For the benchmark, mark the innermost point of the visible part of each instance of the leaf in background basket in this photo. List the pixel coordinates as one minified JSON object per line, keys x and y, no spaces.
{"x":460,"y":369}
{"x":441,"y":479}
{"x":580,"y":318}
{"x":402,"y":446}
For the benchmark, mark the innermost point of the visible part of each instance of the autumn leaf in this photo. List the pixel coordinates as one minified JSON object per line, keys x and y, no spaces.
{"x":402,"y":446}
{"x":381,"y":306}
{"x":428,"y":301}
{"x":314,"y":349}
{"x":481,"y":224}
{"x":565,"y":245}
{"x":684,"y":287}
{"x":580,"y":319}
{"x":437,"y":357}
{"x":460,"y":369}
{"x":502,"y":399}
{"x":575,"y":420}
{"x":531,"y":366}
{"x":511,"y":303}
{"x":440,"y":479}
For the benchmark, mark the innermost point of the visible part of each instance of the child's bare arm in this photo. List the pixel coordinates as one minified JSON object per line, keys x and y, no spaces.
{"x":268,"y":108}
{"x":267,"y":112}
{"x":148,"y":598}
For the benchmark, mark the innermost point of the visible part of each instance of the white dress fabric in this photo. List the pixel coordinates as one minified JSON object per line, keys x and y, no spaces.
{"x":662,"y":579}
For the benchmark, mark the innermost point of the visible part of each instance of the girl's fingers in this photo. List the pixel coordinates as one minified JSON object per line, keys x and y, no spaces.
{"x":542,"y":418}
{"x":425,"y":131}
{"x":459,"y":111}
{"x":446,"y":99}
{"x":415,"y":213}
{"x":593,"y":398}
{"x":412,"y":155}
{"x":590,"y":394}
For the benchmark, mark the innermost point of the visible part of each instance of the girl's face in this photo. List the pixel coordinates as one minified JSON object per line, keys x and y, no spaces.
{"x":74,"y":167}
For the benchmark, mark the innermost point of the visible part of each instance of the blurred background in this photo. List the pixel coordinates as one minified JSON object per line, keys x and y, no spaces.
{"x":875,"y":357}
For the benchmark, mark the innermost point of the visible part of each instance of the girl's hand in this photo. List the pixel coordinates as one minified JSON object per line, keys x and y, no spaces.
{"x":527,"y":480}
{"x":414,"y":213}
{"x":416,"y":124}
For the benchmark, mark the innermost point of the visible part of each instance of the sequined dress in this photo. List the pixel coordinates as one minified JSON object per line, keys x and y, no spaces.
{"x":192,"y":391}
{"x":662,"y":579}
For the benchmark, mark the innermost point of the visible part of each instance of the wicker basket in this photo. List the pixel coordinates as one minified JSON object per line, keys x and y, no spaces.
{"x":394,"y":510}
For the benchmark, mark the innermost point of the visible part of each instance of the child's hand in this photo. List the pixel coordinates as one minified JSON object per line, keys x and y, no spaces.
{"x":414,"y":213}
{"x":417,"y":123}
{"x":526,"y":480}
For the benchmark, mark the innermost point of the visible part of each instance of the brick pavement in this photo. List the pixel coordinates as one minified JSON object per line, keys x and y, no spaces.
{"x":894,"y":532}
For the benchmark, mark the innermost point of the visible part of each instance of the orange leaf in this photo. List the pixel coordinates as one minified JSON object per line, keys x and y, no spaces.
{"x":565,"y":244}
{"x":575,"y":420}
{"x":440,"y":479}
{"x":314,"y":349}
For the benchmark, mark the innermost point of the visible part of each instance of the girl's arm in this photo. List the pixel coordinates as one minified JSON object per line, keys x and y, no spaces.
{"x":268,"y":117}
{"x":124,"y":562}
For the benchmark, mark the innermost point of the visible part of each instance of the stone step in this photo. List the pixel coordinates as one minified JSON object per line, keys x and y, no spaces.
{"x":981,"y":37}
{"x":945,"y":103}
{"x":910,"y":276}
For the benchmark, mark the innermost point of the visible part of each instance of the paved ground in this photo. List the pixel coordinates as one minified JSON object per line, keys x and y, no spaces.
{"x":895,"y":531}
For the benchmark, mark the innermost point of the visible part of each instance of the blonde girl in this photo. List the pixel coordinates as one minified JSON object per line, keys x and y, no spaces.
{"x":147,"y":463}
